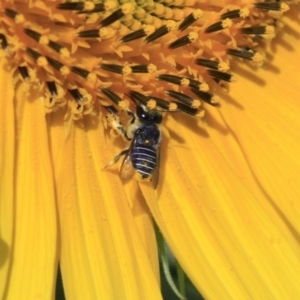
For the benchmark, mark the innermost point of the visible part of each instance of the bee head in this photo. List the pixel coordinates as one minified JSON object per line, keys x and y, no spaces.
{"x":148,"y":116}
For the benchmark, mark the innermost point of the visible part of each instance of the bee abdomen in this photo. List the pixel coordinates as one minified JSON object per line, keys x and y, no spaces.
{"x":144,"y":159}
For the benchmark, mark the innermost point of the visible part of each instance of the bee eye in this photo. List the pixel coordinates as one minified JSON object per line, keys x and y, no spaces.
{"x":141,"y":114}
{"x":151,"y":116}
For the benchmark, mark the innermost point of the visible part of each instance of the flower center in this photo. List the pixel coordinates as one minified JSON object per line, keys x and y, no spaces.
{"x":166,"y":53}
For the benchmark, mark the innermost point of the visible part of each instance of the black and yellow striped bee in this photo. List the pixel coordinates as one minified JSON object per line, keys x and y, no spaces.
{"x":143,"y":154}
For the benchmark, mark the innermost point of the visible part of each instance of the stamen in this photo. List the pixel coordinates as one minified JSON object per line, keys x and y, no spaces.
{"x":93,"y":33}
{"x":161,"y":31}
{"x":183,"y":81}
{"x":257,"y":30}
{"x":34,"y":54}
{"x":17,"y":17}
{"x":221,"y":75}
{"x":174,"y":79}
{"x":143,"y":68}
{"x":56,"y":47}
{"x":41,"y":60}
{"x":190,"y":19}
{"x":3,"y":41}
{"x":138,"y":97}
{"x":113,"y":97}
{"x":277,"y":6}
{"x":24,"y":72}
{"x":246,"y":53}
{"x":237,"y":13}
{"x":76,"y":94}
{"x":133,"y":36}
{"x":184,"y":40}
{"x":164,"y":104}
{"x":77,"y":6}
{"x":127,"y":8}
{"x":219,"y":26}
{"x":103,"y":33}
{"x":202,"y":86}
{"x":207,"y":97}
{"x":33,"y":34}
{"x":189,"y":110}
{"x":116,"y":69}
{"x":194,"y":103}
{"x":212,"y":64}
{"x":52,"y":88}
{"x":58,"y":66}
{"x":83,"y":73}
{"x":43,"y":40}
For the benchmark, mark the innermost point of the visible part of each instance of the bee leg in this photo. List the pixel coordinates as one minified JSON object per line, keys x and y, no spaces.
{"x":116,"y":159}
{"x":131,"y":115}
{"x":113,"y":121}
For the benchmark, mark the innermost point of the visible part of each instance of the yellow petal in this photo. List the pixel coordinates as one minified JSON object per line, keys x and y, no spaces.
{"x":102,"y":253}
{"x":31,"y":213}
{"x":144,"y":222}
{"x":7,"y":145}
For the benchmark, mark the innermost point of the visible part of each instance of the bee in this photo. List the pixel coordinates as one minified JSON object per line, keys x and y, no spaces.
{"x":143,"y":154}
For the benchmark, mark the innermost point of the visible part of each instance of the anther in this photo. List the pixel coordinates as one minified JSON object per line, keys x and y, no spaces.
{"x":124,"y":70}
{"x":174,"y":79}
{"x":93,"y":33}
{"x":219,"y":26}
{"x":150,"y":68}
{"x":3,"y":41}
{"x":236,"y":13}
{"x":24,"y":72}
{"x":133,"y":36}
{"x":115,"y":16}
{"x":207,"y":97}
{"x":164,"y":104}
{"x":52,"y":88}
{"x":185,"y":99}
{"x":77,"y":6}
{"x":189,"y":110}
{"x":277,"y":6}
{"x":190,"y":19}
{"x":80,"y":71}
{"x":161,"y":31}
{"x":76,"y":94}
{"x":58,"y":66}
{"x":55,"y":63}
{"x":184,"y":40}
{"x":221,"y":75}
{"x":257,"y":30}
{"x":17,"y":17}
{"x":112,"y":96}
{"x":127,"y":8}
{"x":212,"y":64}
{"x":33,"y":34}
{"x":55,"y":46}
{"x":41,"y":60}
{"x":245,"y":53}
{"x":138,"y":97}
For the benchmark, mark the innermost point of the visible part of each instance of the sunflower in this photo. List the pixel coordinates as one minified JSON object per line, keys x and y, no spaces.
{"x":226,"y":202}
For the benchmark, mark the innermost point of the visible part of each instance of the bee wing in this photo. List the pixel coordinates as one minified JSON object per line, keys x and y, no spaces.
{"x":155,"y":173}
{"x":127,"y":170}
